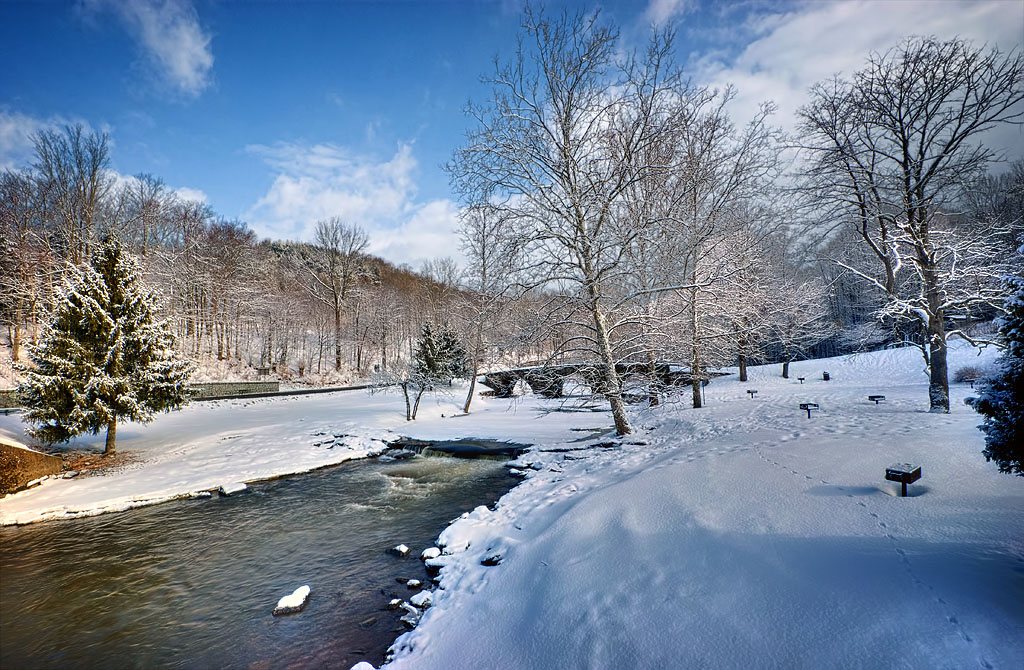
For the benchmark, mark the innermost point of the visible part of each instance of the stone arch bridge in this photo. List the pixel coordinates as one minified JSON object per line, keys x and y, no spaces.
{"x":549,"y":380}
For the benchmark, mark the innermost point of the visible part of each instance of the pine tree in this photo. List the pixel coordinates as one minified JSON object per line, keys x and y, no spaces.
{"x":103,"y":356}
{"x":1002,"y":397}
{"x":429,"y":362}
{"x":453,"y":355}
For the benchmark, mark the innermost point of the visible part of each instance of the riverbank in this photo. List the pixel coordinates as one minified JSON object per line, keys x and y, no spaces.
{"x":215,"y":443}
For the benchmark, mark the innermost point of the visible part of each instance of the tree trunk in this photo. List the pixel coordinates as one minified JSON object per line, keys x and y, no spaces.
{"x":613,"y":389}
{"x":938,"y":383}
{"x":111,"y":437}
{"x":477,"y":351}
{"x":785,"y":368}
{"x":16,"y":331}
{"x":695,"y":346}
{"x":408,"y":407}
{"x":416,"y":405}
{"x":654,"y":381}
{"x":337,"y":336}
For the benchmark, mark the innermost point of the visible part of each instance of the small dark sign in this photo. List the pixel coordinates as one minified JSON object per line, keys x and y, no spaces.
{"x":904,"y":473}
{"x":801,"y":379}
{"x":876,"y":398}
{"x":752,"y":393}
{"x":808,"y":406}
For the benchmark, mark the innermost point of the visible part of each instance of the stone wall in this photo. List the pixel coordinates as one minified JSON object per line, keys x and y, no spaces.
{"x":19,"y":466}
{"x":222,"y":389}
{"x":9,"y":398}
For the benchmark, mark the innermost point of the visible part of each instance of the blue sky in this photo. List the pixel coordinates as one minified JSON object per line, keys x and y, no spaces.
{"x":283,"y":113}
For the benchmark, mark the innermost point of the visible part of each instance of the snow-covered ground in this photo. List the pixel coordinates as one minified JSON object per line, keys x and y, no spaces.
{"x":740,"y":535}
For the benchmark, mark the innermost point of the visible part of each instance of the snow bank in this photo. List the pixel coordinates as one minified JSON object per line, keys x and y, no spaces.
{"x":743,"y":531}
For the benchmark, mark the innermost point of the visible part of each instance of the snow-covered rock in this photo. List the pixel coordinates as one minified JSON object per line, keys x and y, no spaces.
{"x":232,"y":488}
{"x":414,"y":583}
{"x":435,"y":564}
{"x":363,"y":665}
{"x":400,"y":550}
{"x":430,"y":552}
{"x":412,"y":615}
{"x":422,"y":599}
{"x":294,"y":602}
{"x":70,"y":474}
{"x":394,"y":603}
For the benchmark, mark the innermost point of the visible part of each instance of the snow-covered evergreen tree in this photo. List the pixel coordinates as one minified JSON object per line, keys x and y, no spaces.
{"x":429,"y":361}
{"x":453,"y":355}
{"x":1002,"y":397}
{"x":103,"y":355}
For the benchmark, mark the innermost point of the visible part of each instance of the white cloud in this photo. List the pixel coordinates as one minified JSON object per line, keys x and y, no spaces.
{"x":790,"y":51}
{"x":430,"y":232}
{"x":193,"y":194}
{"x":315,"y":182}
{"x":119,"y":181}
{"x":659,"y":12}
{"x":17,"y":129}
{"x":169,"y":33}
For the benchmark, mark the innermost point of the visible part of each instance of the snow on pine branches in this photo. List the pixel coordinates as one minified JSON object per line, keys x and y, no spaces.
{"x":103,"y":356}
{"x":1002,"y":396}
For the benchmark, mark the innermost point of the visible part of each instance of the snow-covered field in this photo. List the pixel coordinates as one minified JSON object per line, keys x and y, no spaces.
{"x":740,"y":535}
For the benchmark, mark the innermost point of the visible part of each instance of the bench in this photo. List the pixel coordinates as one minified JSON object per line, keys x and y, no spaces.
{"x":876,"y":398}
{"x":808,"y":406}
{"x":904,"y":473}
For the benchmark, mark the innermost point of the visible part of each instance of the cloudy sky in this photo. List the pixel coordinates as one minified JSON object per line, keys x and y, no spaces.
{"x":284,"y":113}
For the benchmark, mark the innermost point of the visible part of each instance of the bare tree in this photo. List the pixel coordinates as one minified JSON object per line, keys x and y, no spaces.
{"x":72,"y":164}
{"x":556,"y":149}
{"x":719,"y":176}
{"x":25,"y":258}
{"x":334,"y":268}
{"x":491,"y":255}
{"x":890,"y":150}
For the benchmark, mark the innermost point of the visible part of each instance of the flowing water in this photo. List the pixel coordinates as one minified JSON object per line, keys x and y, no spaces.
{"x":192,"y":583}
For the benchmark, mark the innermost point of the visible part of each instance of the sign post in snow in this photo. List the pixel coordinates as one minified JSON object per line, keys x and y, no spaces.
{"x":876,"y":398}
{"x":801,"y":379}
{"x":904,"y":473}
{"x":752,"y":392}
{"x":808,"y":406}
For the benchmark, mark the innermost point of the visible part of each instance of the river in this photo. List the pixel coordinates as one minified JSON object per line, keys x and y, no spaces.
{"x":191,"y":583}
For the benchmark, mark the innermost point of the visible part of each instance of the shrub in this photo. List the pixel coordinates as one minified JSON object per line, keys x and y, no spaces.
{"x":969,"y":372}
